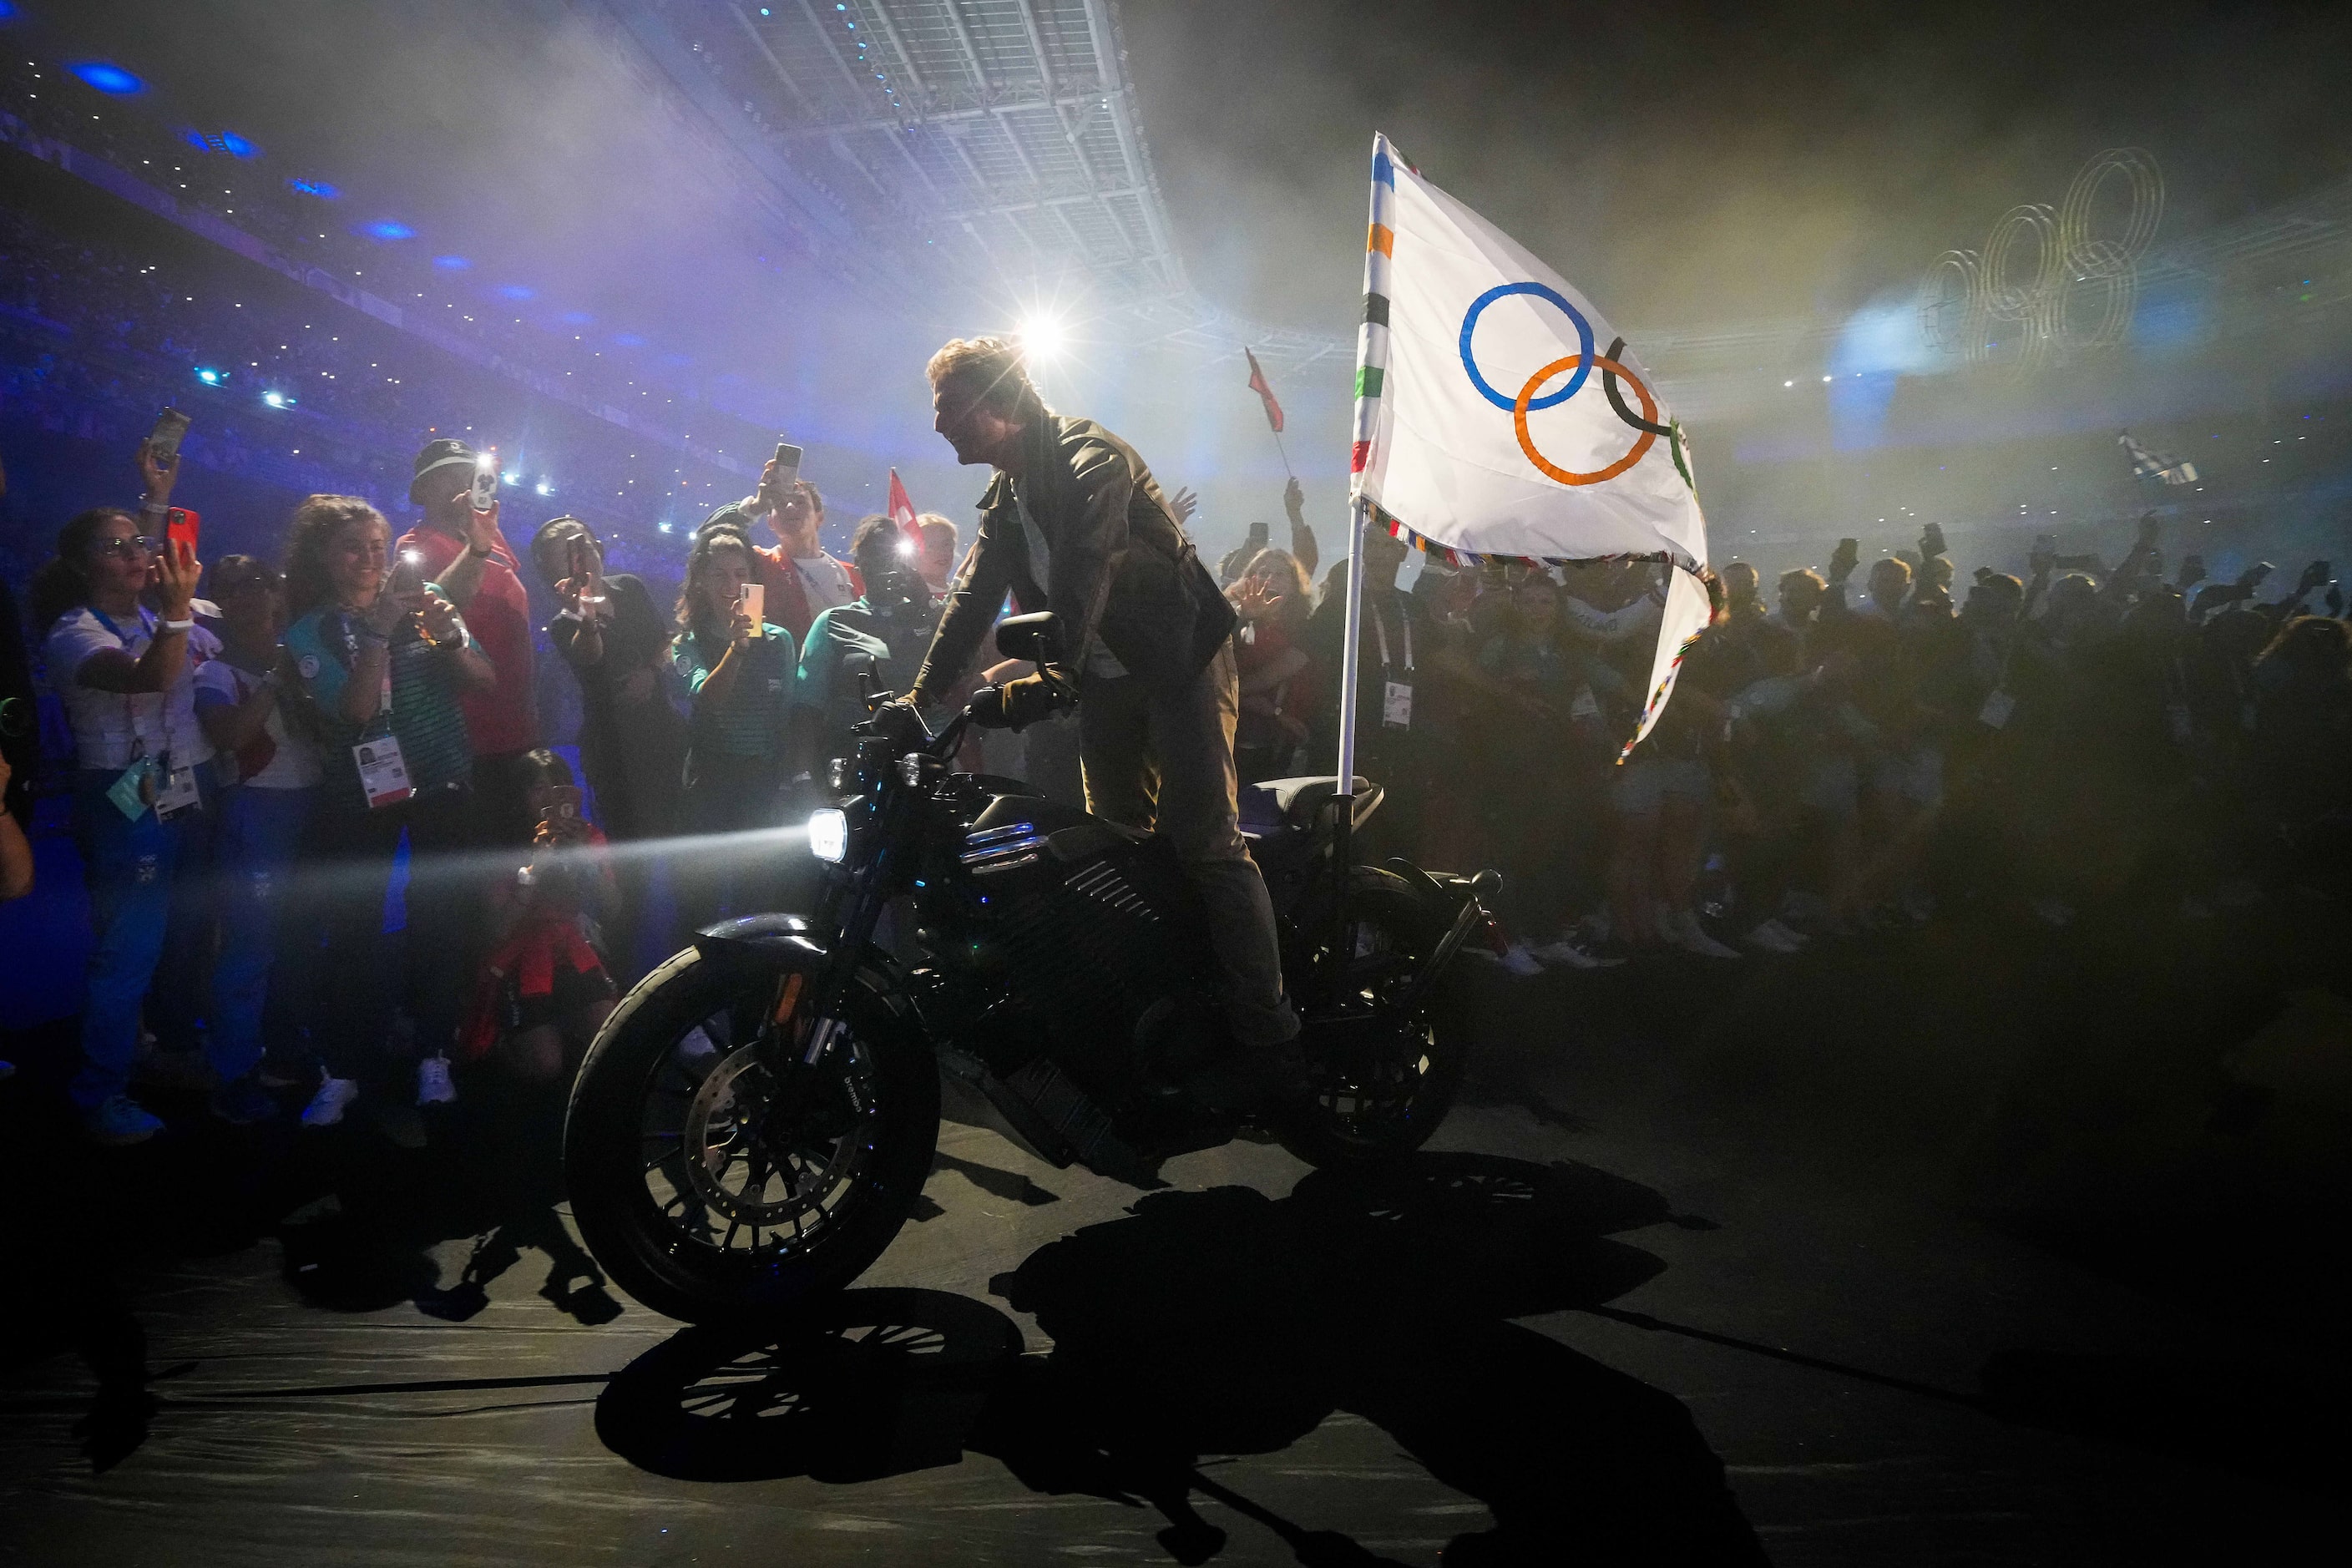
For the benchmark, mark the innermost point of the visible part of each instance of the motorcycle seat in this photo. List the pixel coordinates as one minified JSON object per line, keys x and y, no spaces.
{"x":1289,"y":805}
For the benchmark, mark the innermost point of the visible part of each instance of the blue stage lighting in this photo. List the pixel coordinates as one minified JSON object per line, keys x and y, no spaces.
{"x":210,"y":377}
{"x":277,"y":399}
{"x":516,"y":292}
{"x":629,"y":341}
{"x":107,"y":78}
{"x":387,"y":230}
{"x":236,"y":146}
{"x":318,"y":188}
{"x":451,"y":263}
{"x":545,"y":489}
{"x":576,"y":318}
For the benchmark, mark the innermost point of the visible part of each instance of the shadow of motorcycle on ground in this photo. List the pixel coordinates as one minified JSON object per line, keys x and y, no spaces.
{"x":1228,"y":1322}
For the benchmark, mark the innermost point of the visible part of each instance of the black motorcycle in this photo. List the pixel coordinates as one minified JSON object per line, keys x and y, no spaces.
{"x":758,"y":1116}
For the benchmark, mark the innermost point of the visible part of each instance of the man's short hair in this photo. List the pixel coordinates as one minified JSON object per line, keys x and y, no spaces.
{"x":870,"y":535}
{"x":1892,"y":566}
{"x":1800,"y":578}
{"x":991,"y":369}
{"x":816,"y":497}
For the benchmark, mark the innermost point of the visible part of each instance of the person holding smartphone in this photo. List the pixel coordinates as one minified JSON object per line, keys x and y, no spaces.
{"x":269,"y":784}
{"x":738,"y":668}
{"x":126,"y":679}
{"x":799,"y":579}
{"x":381,"y":666}
{"x":464,"y":553}
{"x":632,"y":741}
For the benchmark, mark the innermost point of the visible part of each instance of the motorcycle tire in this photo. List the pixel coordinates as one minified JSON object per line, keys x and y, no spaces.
{"x":1374,"y":1105}
{"x":654,"y":1062}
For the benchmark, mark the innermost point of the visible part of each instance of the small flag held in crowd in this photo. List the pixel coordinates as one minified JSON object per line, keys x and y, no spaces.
{"x":2147,"y":465}
{"x":902,"y":512}
{"x":1266,"y":393}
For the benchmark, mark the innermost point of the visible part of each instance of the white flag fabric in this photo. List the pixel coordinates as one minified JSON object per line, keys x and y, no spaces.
{"x":1499,"y":415}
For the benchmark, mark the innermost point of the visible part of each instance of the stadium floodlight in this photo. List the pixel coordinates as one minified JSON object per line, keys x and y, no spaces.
{"x":108,"y":78}
{"x":1042,"y":337}
{"x":277,"y":399}
{"x":210,"y":377}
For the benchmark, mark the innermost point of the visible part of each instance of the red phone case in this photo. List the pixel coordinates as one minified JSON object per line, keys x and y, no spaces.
{"x":181,"y":525}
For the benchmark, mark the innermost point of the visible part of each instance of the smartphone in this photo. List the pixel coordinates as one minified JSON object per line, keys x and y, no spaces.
{"x":164,"y":439}
{"x":754,"y":600}
{"x":486,"y":481}
{"x":180,"y":526}
{"x":1932,"y":536}
{"x":407,"y":575}
{"x":562,"y":804}
{"x":788,"y":466}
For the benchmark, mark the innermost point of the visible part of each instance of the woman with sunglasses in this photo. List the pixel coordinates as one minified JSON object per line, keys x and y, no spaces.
{"x":125,"y":673}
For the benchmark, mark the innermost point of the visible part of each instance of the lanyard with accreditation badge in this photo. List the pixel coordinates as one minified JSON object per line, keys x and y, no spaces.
{"x":1396,"y":696}
{"x":149,"y":782}
{"x":384,"y":773}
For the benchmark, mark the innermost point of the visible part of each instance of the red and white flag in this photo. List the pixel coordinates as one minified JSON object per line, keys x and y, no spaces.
{"x":1266,"y":393}
{"x":902,"y":512}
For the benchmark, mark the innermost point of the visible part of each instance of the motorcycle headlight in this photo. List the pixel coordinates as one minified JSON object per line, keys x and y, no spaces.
{"x":828,"y":832}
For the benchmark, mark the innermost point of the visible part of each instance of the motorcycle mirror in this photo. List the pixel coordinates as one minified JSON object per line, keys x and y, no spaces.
{"x":1037,"y":637}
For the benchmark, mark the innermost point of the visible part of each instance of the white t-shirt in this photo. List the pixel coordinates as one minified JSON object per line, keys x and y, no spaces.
{"x":827,"y":580}
{"x":113,"y":727}
{"x":1102,"y":663}
{"x":279,"y":760}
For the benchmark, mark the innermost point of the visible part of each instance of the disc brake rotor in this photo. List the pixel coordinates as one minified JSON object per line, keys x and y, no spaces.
{"x":732,"y":1167}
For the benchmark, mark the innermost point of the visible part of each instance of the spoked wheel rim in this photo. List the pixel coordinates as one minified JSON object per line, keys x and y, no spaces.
{"x":751,"y":1159}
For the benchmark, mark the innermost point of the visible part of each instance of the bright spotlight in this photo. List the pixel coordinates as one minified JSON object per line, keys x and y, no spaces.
{"x":1042,"y":337}
{"x":277,"y":399}
{"x":211,"y":377}
{"x":545,"y":489}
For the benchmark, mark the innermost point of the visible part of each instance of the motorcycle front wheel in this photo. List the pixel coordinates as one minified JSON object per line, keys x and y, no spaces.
{"x":715,"y":1176}
{"x":1383,"y":1078}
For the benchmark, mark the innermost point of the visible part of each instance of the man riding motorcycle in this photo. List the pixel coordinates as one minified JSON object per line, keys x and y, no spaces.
{"x":1073,"y":522}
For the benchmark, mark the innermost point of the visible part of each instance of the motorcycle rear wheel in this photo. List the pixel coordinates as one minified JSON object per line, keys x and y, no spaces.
{"x":1379,"y":1094}
{"x":718,"y":1187}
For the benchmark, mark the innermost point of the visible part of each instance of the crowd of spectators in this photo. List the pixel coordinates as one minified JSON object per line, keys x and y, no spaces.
{"x":356,"y":726}
{"x":1831,"y":762}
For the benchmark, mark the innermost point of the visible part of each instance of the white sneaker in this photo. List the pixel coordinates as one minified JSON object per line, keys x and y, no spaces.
{"x":432,"y":1085}
{"x":1682,"y":929}
{"x":1772,"y":937}
{"x":326,"y":1107}
{"x":1518,"y":959}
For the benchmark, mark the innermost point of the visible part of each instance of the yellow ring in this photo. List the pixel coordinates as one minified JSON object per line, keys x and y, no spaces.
{"x":1553,"y":471}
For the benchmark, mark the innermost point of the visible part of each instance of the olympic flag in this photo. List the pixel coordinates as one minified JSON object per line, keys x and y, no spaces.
{"x":1498,"y":416}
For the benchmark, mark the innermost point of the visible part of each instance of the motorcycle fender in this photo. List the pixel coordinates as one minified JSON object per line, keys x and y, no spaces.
{"x":783,"y":941}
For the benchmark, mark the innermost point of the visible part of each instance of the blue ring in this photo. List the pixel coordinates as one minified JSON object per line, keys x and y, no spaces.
{"x":1583,"y":341}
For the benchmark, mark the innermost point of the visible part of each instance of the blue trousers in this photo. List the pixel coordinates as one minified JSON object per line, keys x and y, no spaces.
{"x":129,"y":866}
{"x":254,"y":847}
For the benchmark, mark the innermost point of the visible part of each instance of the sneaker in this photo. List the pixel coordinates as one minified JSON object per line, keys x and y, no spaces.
{"x":1568,"y":955}
{"x":1771,"y":936}
{"x":121,"y":1122}
{"x":326,"y":1107}
{"x":1682,"y":929}
{"x":1784,"y":932}
{"x":432,"y":1085}
{"x":244,"y":1103}
{"x":1520,"y":961}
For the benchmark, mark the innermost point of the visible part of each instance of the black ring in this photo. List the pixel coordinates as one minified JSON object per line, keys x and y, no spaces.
{"x":1617,"y":398}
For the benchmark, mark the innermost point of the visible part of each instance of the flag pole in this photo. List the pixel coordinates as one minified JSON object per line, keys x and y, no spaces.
{"x":1286,"y":456}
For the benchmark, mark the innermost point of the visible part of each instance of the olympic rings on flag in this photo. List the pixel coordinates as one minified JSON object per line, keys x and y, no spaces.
{"x":1582,"y":361}
{"x":1584,"y":364}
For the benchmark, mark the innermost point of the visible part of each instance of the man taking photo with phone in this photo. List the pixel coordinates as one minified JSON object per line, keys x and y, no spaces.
{"x":462,"y":551}
{"x":1073,"y":521}
{"x":801,"y":580}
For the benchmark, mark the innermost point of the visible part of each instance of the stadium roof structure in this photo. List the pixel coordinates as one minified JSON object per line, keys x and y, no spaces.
{"x":992,"y":145}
